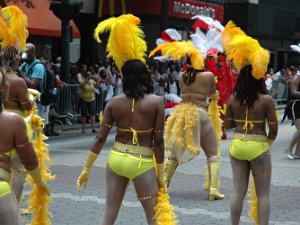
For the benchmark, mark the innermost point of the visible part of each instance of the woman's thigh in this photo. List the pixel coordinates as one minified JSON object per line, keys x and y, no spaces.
{"x":9,"y":214}
{"x":208,"y":139}
{"x":240,"y":172}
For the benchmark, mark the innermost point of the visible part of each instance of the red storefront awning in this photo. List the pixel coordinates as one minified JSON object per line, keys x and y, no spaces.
{"x":41,"y":20}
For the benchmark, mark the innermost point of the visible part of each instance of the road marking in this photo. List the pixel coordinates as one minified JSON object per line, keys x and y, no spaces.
{"x":136,"y":204}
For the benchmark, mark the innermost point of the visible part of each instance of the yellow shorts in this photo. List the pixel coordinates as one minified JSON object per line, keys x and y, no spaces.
{"x":4,"y":188}
{"x":248,"y":147}
{"x":128,"y":166}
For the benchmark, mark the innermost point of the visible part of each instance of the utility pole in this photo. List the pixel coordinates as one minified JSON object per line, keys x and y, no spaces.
{"x":65,"y":47}
{"x":164,"y":15}
{"x":65,"y":11}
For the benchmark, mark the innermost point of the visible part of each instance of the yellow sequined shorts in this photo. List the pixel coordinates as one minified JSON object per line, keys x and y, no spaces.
{"x":4,"y":188}
{"x":247,"y":146}
{"x":123,"y":163}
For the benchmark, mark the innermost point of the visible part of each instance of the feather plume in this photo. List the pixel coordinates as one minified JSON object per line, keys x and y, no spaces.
{"x":199,"y":40}
{"x":244,"y":50}
{"x":17,"y":27}
{"x":230,"y":31}
{"x":126,"y":39}
{"x":213,"y":38}
{"x":259,"y":60}
{"x":180,"y":49}
{"x":3,"y":29}
{"x":295,"y":48}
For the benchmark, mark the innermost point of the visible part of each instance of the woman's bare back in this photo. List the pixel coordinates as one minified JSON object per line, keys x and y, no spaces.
{"x":143,"y":117}
{"x":198,"y":91}
{"x":261,"y":112}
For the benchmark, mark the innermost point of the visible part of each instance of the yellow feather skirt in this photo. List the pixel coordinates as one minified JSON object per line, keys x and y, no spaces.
{"x":183,"y":131}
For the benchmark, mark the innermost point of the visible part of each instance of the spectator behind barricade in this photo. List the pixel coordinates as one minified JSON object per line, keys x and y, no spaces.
{"x":34,"y":74}
{"x":279,"y":84}
{"x":113,"y":78}
{"x":73,"y":74}
{"x":53,"y":114}
{"x":160,"y":87}
{"x":288,"y":74}
{"x":119,"y":87}
{"x":87,"y":99}
{"x":269,"y":80}
{"x":82,"y":70}
{"x":162,"y":72}
{"x":154,"y":75}
{"x":177,"y":70}
{"x":173,"y":85}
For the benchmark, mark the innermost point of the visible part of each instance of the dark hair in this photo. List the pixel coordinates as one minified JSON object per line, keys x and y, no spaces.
{"x":247,"y":88}
{"x":190,"y":73}
{"x":136,"y":79}
{"x":1,"y":93}
{"x":9,"y":56}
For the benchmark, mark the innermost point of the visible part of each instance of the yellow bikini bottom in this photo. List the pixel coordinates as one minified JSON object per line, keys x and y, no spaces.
{"x":247,"y":146}
{"x":4,"y":188}
{"x":125,"y":164}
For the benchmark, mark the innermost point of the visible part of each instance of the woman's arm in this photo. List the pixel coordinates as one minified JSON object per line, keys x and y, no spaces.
{"x":24,"y":146}
{"x":103,"y":132}
{"x":229,"y":117}
{"x":82,"y":83}
{"x":272,"y":118}
{"x":158,"y":137}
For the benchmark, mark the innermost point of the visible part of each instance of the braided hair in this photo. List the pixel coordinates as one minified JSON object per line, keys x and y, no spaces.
{"x":9,"y":56}
{"x":247,"y":87}
{"x":190,"y":74}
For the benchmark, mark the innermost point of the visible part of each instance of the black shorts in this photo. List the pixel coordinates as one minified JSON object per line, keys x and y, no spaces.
{"x":293,"y":110}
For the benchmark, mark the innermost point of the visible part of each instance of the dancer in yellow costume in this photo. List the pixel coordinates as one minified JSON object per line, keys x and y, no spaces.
{"x":189,"y":127}
{"x":139,"y":117}
{"x":248,"y":111}
{"x":15,"y":140}
{"x":13,"y":34}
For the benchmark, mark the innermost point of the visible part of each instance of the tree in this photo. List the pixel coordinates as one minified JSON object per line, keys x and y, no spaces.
{"x":28,"y":3}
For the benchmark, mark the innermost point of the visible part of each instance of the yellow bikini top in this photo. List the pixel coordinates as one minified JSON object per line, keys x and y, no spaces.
{"x":135,"y":140}
{"x":11,"y":154}
{"x":248,"y":123}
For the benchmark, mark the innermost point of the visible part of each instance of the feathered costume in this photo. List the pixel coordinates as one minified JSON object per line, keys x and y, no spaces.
{"x":183,"y":127}
{"x":126,"y":42}
{"x":207,"y":38}
{"x":13,"y":32}
{"x":244,"y":50}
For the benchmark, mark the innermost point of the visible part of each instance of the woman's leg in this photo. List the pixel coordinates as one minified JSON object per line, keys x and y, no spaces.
{"x":295,"y":138}
{"x":146,"y":189}
{"x":297,"y":124}
{"x":210,"y":147}
{"x":115,"y":191}
{"x":208,"y":140}
{"x":9,"y":214}
{"x":240,"y":172}
{"x":261,"y":168}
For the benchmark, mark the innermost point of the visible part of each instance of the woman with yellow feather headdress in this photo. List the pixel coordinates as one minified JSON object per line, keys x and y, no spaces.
{"x":248,"y":110}
{"x":189,"y":127}
{"x":139,"y":116}
{"x":15,"y":140}
{"x":13,"y":37}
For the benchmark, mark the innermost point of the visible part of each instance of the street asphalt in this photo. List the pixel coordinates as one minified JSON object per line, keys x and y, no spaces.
{"x":69,"y":152}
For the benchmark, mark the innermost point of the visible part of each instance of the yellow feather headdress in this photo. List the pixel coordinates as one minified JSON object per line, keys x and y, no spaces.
{"x":126,"y":39}
{"x":179,"y":49}
{"x":13,"y":28}
{"x":244,"y":50}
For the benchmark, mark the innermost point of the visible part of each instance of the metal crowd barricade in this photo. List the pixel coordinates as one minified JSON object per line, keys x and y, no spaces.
{"x":68,"y":101}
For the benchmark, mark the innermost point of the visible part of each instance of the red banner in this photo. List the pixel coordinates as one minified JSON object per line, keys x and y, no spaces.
{"x":189,"y":8}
